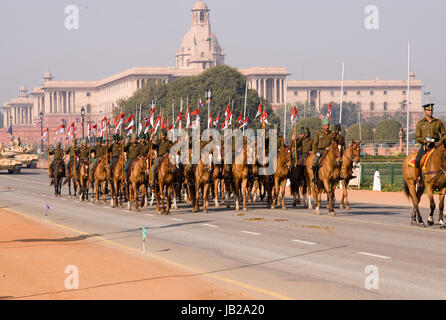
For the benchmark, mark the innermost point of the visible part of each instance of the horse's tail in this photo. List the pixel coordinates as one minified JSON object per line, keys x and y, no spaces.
{"x":406,"y":189}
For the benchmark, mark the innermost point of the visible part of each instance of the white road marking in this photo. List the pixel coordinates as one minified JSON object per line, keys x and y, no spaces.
{"x":305,"y":242}
{"x":176,"y":219}
{"x":249,"y":232}
{"x":149,"y":214}
{"x":209,"y":225}
{"x":373,"y":255}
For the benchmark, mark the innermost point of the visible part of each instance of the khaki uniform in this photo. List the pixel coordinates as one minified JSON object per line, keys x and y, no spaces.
{"x":58,"y":155}
{"x":72,"y":151}
{"x":321,"y":141}
{"x":434,"y":129}
{"x":163,"y":147}
{"x":115,"y":149}
{"x":304,"y":146}
{"x":133,"y":151}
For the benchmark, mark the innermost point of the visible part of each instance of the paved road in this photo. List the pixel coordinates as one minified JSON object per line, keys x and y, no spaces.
{"x":274,"y":254}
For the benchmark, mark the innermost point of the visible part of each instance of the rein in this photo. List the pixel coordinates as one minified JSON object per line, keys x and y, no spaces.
{"x":437,"y":173}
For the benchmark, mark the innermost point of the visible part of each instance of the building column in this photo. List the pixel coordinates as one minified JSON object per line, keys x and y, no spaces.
{"x":264,"y":88}
{"x":274,"y":90}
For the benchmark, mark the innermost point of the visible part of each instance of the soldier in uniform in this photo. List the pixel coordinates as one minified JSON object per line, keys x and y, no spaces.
{"x":99,"y":150}
{"x":132,"y":149}
{"x":72,"y":150}
{"x":430,"y":132}
{"x":59,"y":154}
{"x":304,"y":145}
{"x":145,"y":145}
{"x":321,"y":143}
{"x":163,"y":146}
{"x":84,"y":153}
{"x":115,"y":150}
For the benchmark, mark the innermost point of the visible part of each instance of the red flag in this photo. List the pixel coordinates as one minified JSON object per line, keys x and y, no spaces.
{"x":119,"y":118}
{"x":329,"y":110}
{"x":293,"y":115}
{"x":259,"y":111}
{"x":195,"y":113}
{"x":215,"y":122}
{"x":129,"y":119}
{"x":239,"y":119}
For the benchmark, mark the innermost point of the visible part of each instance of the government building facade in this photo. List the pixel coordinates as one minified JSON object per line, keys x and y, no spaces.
{"x":198,"y":51}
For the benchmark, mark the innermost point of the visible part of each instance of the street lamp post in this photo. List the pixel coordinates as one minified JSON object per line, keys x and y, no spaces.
{"x":41,"y":133}
{"x":83,"y":118}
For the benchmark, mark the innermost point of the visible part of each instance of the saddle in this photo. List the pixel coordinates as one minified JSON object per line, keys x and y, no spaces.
{"x":324,"y":153}
{"x":132,"y":165}
{"x":423,"y":161}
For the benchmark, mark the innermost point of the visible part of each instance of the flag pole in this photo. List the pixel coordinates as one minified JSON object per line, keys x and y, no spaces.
{"x":408,"y":98}
{"x":342,"y":95}
{"x":284,"y":113}
{"x":244,"y":109}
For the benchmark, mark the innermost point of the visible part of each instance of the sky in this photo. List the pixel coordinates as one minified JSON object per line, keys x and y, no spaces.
{"x":310,"y":38}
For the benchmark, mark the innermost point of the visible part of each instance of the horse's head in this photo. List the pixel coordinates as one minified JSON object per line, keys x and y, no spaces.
{"x":285,"y":154}
{"x":356,"y":151}
{"x":337,"y":150}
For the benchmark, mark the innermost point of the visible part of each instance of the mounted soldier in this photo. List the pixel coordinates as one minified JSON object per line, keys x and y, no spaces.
{"x":115,"y":150}
{"x":59,"y":154}
{"x":145,"y":145}
{"x":99,"y":150}
{"x":321,"y":144}
{"x":162,"y":145}
{"x":430,"y":133}
{"x":72,"y":150}
{"x":133,"y":150}
{"x":84,"y":153}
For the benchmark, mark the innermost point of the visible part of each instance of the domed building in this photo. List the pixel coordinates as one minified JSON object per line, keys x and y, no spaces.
{"x":199,"y":48}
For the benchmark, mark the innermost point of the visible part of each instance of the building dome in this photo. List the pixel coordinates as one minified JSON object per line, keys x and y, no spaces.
{"x":48,"y":76}
{"x":200,"y":5}
{"x":23,"y":92}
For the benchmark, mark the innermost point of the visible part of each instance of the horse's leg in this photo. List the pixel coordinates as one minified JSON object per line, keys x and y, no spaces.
{"x":175,"y":192}
{"x":205,"y":197}
{"x":168,"y":200}
{"x":283,"y":186}
{"x":276,"y":191}
{"x":430,"y":195}
{"x":441,"y":207}
{"x":244,"y":190}
{"x":315,"y":192}
{"x":216,"y":183}
{"x":142,"y":188}
{"x":330,"y":196}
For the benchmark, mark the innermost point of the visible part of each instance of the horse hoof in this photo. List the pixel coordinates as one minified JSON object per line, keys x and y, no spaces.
{"x":347,"y":207}
{"x":194,"y":210}
{"x":341,"y":206}
{"x":421,"y":224}
{"x":245,"y":209}
{"x":283,"y":207}
{"x":430,"y":223}
{"x":332,"y":214}
{"x":413,"y":223}
{"x":137,"y":209}
{"x":316,"y":212}
{"x":217,"y":205}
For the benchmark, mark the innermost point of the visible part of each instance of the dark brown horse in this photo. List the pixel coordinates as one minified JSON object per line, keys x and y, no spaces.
{"x":433,"y":179}
{"x":58,"y":175}
{"x":72,"y":176}
{"x":281,"y":174}
{"x":351,"y":156}
{"x":328,"y":177}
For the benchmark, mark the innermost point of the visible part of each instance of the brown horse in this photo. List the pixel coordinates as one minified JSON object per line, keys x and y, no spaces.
{"x":328,"y":176}
{"x":281,"y":174}
{"x":117,"y":189}
{"x":203,"y":174}
{"x":240,"y":173}
{"x":351,"y":156}
{"x":58,"y":175}
{"x":100,"y":179}
{"x":73,"y":175}
{"x":165,"y":179}
{"x":434,"y":179}
{"x":84,"y":171}
{"x":300,"y":183}
{"x":138,"y":175}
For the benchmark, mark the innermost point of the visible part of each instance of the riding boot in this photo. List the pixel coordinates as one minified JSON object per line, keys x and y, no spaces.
{"x":315,"y":174}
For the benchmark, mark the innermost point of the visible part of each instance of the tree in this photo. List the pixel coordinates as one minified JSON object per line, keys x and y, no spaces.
{"x":349,"y":113}
{"x":227,"y":85}
{"x":388,"y":131}
{"x":314,"y":124}
{"x":353,"y":133}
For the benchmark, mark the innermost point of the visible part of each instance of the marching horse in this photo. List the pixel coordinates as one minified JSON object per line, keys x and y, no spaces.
{"x":58,"y":175}
{"x":100,"y":179}
{"x":203,"y":174}
{"x":351,"y":156}
{"x":281,"y":174}
{"x":165,"y":178}
{"x":84,"y":171}
{"x":433,"y":179}
{"x":117,"y":184}
{"x":73,"y":175}
{"x":138,"y":175}
{"x":240,"y":173}
{"x":328,"y":176}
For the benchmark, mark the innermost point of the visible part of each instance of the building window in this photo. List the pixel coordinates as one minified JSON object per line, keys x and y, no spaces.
{"x":88,"y":108}
{"x":385,"y":92}
{"x":372,"y":93}
{"x":332,"y":93}
{"x":372,"y":106}
{"x":88,"y":94}
{"x":404,"y":92}
{"x":201,"y":16}
{"x":385,"y":106}
{"x":202,"y":54}
{"x":345,"y":92}
{"x":358,"y":93}
{"x":295,"y":93}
